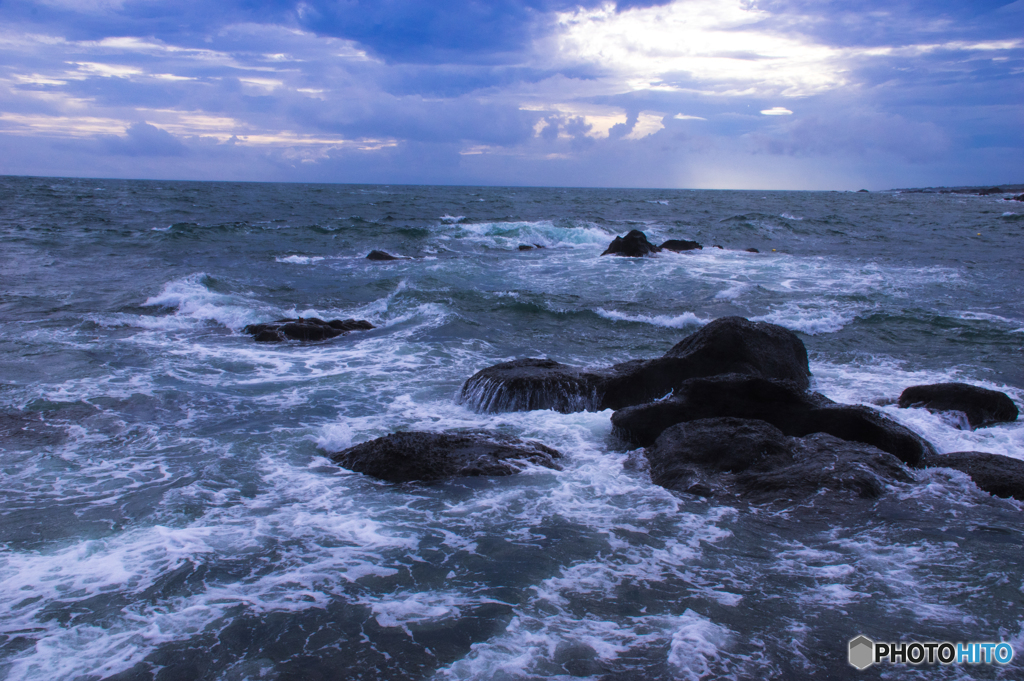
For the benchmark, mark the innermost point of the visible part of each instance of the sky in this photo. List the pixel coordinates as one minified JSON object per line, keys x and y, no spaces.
{"x":712,"y":94}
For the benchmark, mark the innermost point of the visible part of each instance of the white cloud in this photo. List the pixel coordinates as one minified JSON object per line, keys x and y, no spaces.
{"x":777,"y":111}
{"x":599,"y":117}
{"x":718,"y":44}
{"x":647,"y":124}
{"x":684,"y":117}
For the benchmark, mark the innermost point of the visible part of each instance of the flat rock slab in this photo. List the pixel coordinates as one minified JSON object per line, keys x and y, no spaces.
{"x":305,"y":329}
{"x":429,"y":457}
{"x":1000,"y":475}
{"x":679,"y":245}
{"x":981,"y":406}
{"x":754,"y":460}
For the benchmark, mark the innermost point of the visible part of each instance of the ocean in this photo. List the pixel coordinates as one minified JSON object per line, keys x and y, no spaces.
{"x":170,"y":511}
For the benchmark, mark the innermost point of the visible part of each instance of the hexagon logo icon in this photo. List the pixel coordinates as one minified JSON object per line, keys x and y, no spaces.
{"x":862,"y":652}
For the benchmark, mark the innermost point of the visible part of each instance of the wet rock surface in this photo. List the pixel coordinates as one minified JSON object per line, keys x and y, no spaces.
{"x":780,"y":403}
{"x":727,"y":345}
{"x":633,"y":245}
{"x":724,"y":346}
{"x":679,"y":245}
{"x":1000,"y":475}
{"x":981,"y":406}
{"x":527,"y":384}
{"x":304,"y":329}
{"x":793,"y":411}
{"x":755,"y":460}
{"x":381,"y":256}
{"x":428,"y":457}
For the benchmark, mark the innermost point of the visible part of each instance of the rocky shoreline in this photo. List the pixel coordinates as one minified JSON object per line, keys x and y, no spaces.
{"x":726,"y":413}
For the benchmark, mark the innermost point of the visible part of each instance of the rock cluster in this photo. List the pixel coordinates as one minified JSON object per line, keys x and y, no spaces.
{"x":636,"y":245}
{"x":726,"y":412}
{"x":727,"y":345}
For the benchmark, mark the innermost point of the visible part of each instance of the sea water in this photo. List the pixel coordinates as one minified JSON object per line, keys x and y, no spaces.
{"x":170,"y":511}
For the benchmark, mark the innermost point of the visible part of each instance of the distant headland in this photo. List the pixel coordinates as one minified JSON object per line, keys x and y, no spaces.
{"x":994,"y":190}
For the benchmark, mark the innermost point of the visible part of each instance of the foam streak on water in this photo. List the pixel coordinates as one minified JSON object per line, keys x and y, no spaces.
{"x":169,"y":508}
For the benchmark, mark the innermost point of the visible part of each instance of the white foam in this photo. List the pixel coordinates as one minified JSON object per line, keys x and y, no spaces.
{"x":300,"y":259}
{"x":687,"y":319}
{"x":880,"y":380}
{"x":335,"y":437}
{"x":734,"y":291}
{"x":192,"y":299}
{"x":696,"y":643}
{"x":811,"y":318}
{"x":452,"y":219}
{"x":509,"y":235}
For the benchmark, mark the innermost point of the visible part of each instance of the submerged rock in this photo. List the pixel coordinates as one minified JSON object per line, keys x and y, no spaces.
{"x":528,"y":384}
{"x":381,"y":255}
{"x":981,"y":406}
{"x":782,"y":404}
{"x":996,"y":474}
{"x":633,"y":245}
{"x":753,"y":459}
{"x":727,"y":345}
{"x":427,"y":457}
{"x":679,"y":245}
{"x":305,"y":329}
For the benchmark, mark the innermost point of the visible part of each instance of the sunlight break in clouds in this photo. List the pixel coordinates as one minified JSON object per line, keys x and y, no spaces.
{"x":705,"y":45}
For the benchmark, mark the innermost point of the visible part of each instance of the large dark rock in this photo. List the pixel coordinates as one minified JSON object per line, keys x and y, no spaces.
{"x":994,"y":473}
{"x":781,"y":403}
{"x":724,"y":346}
{"x":688,"y":453}
{"x":634,"y":245}
{"x":380,"y":255}
{"x":678,"y":245}
{"x":728,"y":345}
{"x":991,"y":191}
{"x":981,"y":405}
{"x":823,"y":462}
{"x":857,"y":423}
{"x":426,"y":457}
{"x":527,"y":384}
{"x":1019,"y":197}
{"x":304,"y":329}
{"x":737,"y":345}
{"x":753,"y":459}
